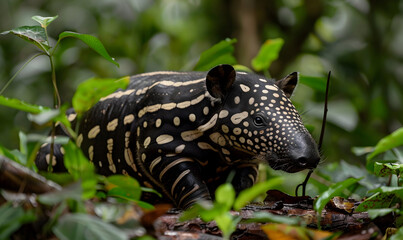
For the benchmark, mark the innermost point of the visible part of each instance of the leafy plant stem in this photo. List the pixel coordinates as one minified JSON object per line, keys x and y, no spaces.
{"x":56,"y":91}
{"x":46,"y":33}
{"x":19,"y":70}
{"x":57,"y":103}
{"x":266,"y":73}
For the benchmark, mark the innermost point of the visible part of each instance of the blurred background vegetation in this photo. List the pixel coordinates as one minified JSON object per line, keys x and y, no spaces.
{"x":358,"y":40}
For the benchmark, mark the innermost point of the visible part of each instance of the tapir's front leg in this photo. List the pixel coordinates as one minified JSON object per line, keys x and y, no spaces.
{"x":245,"y":176}
{"x":181,"y":178}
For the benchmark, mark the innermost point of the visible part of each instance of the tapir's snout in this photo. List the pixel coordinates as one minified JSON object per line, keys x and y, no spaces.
{"x":302,"y":154}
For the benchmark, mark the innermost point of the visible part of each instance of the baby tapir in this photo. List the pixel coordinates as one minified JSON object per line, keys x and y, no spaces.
{"x":182,"y":133}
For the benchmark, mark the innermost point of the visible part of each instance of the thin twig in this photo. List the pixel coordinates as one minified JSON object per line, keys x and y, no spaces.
{"x":322,"y":133}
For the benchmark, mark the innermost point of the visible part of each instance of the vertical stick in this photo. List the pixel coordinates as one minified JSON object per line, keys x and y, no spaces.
{"x":322,"y":133}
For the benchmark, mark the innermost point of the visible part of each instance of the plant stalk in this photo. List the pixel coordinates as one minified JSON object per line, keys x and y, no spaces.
{"x":19,"y":70}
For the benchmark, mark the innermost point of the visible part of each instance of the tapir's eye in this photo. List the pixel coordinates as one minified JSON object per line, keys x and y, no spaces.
{"x":258,"y":121}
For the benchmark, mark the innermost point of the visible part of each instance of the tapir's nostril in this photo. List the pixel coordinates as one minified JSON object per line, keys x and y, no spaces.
{"x":303,"y":161}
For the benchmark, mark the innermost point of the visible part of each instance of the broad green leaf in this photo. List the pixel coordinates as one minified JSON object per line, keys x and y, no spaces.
{"x":33,"y":34}
{"x":265,"y":217}
{"x":206,"y":210}
{"x":393,"y":140}
{"x":12,"y":218}
{"x":75,"y":161}
{"x":59,"y":178}
{"x":124,"y":187}
{"x":128,"y":188}
{"x":44,"y":117}
{"x":225,"y":195}
{"x":249,"y":194}
{"x":195,"y":210}
{"x":44,"y":21}
{"x":227,"y":224}
{"x":47,"y":139}
{"x":398,"y":235}
{"x":56,"y":115}
{"x":316,"y":83}
{"x":374,"y":213}
{"x":359,"y":151}
{"x":90,"y":91}
{"x":387,"y":169}
{"x":81,"y":169}
{"x":333,"y":190}
{"x":150,"y":190}
{"x":220,"y":53}
{"x":378,"y":200}
{"x":92,"y":42}
{"x":267,"y":54}
{"x":390,"y":190}
{"x":121,"y":181}
{"x":242,"y":68}
{"x":20,"y":105}
{"x":85,"y":226}
{"x":9,"y":154}
{"x":73,"y":191}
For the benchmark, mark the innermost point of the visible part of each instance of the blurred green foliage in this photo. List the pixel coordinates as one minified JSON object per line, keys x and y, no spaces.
{"x":358,"y":40}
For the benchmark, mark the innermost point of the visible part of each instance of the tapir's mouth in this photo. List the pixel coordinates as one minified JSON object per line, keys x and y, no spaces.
{"x":286,"y":164}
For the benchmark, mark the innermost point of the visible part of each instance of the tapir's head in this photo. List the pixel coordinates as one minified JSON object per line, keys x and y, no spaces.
{"x":258,"y":118}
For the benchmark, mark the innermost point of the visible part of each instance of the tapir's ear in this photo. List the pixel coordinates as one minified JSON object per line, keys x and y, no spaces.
{"x":288,"y":83}
{"x":219,"y":79}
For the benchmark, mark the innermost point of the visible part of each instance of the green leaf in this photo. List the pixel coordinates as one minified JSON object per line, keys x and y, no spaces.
{"x":227,"y":224}
{"x":124,"y":187}
{"x":249,"y":194}
{"x":378,"y":200}
{"x":92,"y":42}
{"x":73,"y":191}
{"x":12,"y":218}
{"x":33,"y":34}
{"x":81,"y":169}
{"x":387,"y":169}
{"x":242,"y":68}
{"x":57,"y":115}
{"x":59,"y":178}
{"x":150,"y":190}
{"x":44,"y":117}
{"x":374,"y":213}
{"x":393,"y":140}
{"x":220,"y":53}
{"x":9,"y":154}
{"x":195,"y":210}
{"x":90,"y":91}
{"x":391,"y":190}
{"x":225,"y":195}
{"x":316,"y":83}
{"x":20,"y":105}
{"x":398,"y":235}
{"x":47,"y":139}
{"x":206,"y":210}
{"x":84,"y":226}
{"x":267,"y":54}
{"x":359,"y":151}
{"x":44,"y":21}
{"x":265,"y":217}
{"x":333,"y":190}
